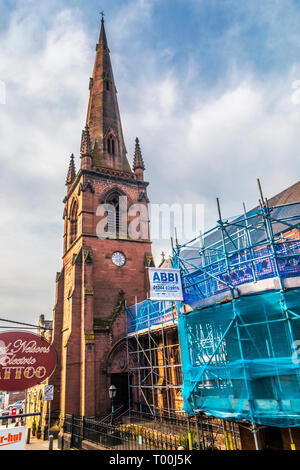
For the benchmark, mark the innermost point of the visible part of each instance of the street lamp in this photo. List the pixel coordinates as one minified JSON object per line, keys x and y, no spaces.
{"x":112,"y":395}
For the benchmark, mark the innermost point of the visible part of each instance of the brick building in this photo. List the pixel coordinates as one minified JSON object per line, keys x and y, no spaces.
{"x":100,"y":272}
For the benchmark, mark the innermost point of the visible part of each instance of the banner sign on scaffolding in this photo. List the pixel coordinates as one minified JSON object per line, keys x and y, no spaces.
{"x":165,"y":284}
{"x":12,"y":438}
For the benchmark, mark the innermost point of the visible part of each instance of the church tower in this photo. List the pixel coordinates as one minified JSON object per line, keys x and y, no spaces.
{"x":106,"y":252}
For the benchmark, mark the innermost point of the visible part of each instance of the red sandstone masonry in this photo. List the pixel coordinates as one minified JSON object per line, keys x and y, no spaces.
{"x":89,"y":320}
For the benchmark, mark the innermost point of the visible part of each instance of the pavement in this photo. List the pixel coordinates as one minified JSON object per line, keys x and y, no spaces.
{"x":39,"y":444}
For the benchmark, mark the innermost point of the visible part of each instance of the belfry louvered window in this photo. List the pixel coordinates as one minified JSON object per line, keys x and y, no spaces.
{"x":113,"y":215}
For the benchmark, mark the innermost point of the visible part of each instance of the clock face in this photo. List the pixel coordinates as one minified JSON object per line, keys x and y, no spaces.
{"x":118,"y":258}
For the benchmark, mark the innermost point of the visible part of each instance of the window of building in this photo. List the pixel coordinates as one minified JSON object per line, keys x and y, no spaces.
{"x":111,"y":145}
{"x":73,"y":221}
{"x":114,"y":214}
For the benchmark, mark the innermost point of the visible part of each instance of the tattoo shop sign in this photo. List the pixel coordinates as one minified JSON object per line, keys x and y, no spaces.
{"x":165,"y":284}
{"x":25,"y":360}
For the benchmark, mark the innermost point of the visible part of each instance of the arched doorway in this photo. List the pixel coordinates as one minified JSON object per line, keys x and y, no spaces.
{"x":117,"y":370}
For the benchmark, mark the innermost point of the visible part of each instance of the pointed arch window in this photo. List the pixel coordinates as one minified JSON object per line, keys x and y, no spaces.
{"x":73,"y":221}
{"x":113,"y":216}
{"x":115,"y":219}
{"x":111,"y":145}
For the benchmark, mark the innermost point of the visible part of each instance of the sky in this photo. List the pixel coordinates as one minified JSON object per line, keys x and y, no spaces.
{"x":210,"y":87}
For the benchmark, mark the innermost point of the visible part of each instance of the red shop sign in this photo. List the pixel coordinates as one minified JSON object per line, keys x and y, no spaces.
{"x":25,"y":360}
{"x":13,"y":412}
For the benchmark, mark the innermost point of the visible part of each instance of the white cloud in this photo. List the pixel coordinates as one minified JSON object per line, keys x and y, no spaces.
{"x":40,"y":125}
{"x":198,"y":150}
{"x":129,"y":15}
{"x":197,"y":143}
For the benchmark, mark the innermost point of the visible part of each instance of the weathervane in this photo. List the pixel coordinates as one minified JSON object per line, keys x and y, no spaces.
{"x":102,"y":16}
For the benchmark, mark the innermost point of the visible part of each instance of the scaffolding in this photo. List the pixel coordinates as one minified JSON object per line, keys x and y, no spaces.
{"x":155,"y":377}
{"x":155,"y":383}
{"x":240,"y":318}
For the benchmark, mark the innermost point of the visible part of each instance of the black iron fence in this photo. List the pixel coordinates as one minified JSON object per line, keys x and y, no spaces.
{"x":140,"y":431}
{"x":202,"y":432}
{"x":124,"y":436}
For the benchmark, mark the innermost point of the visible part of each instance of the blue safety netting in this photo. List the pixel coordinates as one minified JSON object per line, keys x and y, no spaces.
{"x":240,"y":339}
{"x":149,"y":313}
{"x":238,"y":252}
{"x":240,"y":359}
{"x":245,"y":267}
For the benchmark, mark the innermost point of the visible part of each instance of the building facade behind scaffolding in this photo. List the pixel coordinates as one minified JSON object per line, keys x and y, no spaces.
{"x":155,"y":381}
{"x":242,"y":280}
{"x":238,"y":329}
{"x":154,"y":358}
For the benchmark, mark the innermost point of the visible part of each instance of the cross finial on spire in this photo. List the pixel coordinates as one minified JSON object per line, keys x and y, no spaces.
{"x":102,"y":16}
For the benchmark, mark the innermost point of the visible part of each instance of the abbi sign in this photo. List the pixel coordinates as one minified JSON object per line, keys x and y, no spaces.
{"x":165,"y":284}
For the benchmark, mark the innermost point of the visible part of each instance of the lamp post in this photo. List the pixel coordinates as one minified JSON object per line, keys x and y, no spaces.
{"x":112,"y":396}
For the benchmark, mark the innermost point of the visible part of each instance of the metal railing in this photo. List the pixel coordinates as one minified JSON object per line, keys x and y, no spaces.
{"x":137,"y":431}
{"x":19,"y":415}
{"x":104,"y":435}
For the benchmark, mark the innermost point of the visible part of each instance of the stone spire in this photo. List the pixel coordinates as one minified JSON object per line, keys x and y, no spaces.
{"x":103,"y":117}
{"x":138,"y":162}
{"x":71,"y":172}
